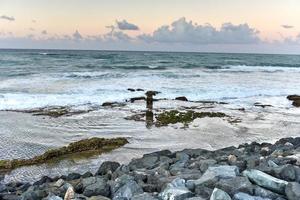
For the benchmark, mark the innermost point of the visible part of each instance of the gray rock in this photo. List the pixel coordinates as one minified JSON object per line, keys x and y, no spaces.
{"x":214,"y":174}
{"x":244,"y":196}
{"x":144,"y":196}
{"x":292,"y":191}
{"x":107,"y":166}
{"x":218,"y":194}
{"x":182,"y":159}
{"x":235,"y":185}
{"x":195,"y":198}
{"x":52,"y":197}
{"x":29,"y":195}
{"x":204,"y":164}
{"x":203,"y":191}
{"x":265,"y":180}
{"x":128,"y":190}
{"x":175,"y":190}
{"x":10,"y":197}
{"x":98,"y":198}
{"x":261,"y":192}
{"x":288,"y":173}
{"x":147,"y":161}
{"x":94,"y":186}
{"x":73,"y":176}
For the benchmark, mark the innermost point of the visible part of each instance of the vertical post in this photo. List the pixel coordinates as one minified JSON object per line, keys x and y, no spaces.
{"x":149,"y":106}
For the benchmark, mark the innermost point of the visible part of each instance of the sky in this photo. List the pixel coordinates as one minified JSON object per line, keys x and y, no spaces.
{"x":256,"y":26}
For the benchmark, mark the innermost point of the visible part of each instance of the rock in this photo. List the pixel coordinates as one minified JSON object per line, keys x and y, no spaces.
{"x":29,"y":195}
{"x":147,"y":161}
{"x":44,"y":179}
{"x":94,"y":186}
{"x":292,"y":191}
{"x":70,"y":194}
{"x":204,"y":164}
{"x":107,"y":166}
{"x":288,"y":173}
{"x":232,"y":159}
{"x":293,"y":97}
{"x":128,"y":190}
{"x":182,"y":159}
{"x":131,"y":89}
{"x":175,"y":190}
{"x":182,"y":98}
{"x":218,"y":194}
{"x":204,"y":192}
{"x":195,"y":198}
{"x":272,"y":164}
{"x":53,"y":197}
{"x":261,"y":192}
{"x":98,"y":198}
{"x":244,"y":196}
{"x":235,"y":185}
{"x":86,"y":175}
{"x":132,"y":100}
{"x":73,"y":176}
{"x":264,"y":180}
{"x":144,"y":196}
{"x":59,"y":183}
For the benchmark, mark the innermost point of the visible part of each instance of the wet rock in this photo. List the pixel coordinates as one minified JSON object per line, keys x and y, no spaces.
{"x":218,"y":194}
{"x":235,"y":185}
{"x":182,"y":98}
{"x":288,"y":173}
{"x":131,"y":89}
{"x":44,"y":179}
{"x":94,"y":186}
{"x":147,"y":161}
{"x":264,"y":180}
{"x":292,"y":191}
{"x":176,"y":190}
{"x":244,"y":196}
{"x":132,"y":100}
{"x":262,"y":105}
{"x":264,"y":193}
{"x":86,"y":175}
{"x":113,"y":104}
{"x":98,"y":198}
{"x":107,"y":166}
{"x":73,"y":176}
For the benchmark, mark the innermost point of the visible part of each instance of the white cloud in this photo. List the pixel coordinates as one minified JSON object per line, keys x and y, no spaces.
{"x":181,"y":31}
{"x":287,"y":26}
{"x":5,"y":17}
{"x":44,"y":32}
{"x":124,"y":25}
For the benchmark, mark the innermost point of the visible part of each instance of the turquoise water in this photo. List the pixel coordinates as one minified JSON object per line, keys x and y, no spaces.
{"x":37,"y":78}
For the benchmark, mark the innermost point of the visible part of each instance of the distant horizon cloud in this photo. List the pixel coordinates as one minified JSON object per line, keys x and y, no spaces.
{"x":5,"y":17}
{"x":180,"y":35}
{"x":126,"y":26}
{"x":287,"y":26}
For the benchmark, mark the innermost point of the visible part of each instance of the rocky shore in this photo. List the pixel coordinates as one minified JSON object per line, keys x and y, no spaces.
{"x":247,"y":172}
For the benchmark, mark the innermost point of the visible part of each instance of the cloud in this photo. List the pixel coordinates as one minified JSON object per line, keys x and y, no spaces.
{"x":31,"y":29}
{"x":77,"y":35}
{"x":5,"y":17}
{"x":181,"y":31}
{"x":44,"y":32}
{"x":287,"y":26}
{"x":33,"y":21}
{"x":124,"y":25}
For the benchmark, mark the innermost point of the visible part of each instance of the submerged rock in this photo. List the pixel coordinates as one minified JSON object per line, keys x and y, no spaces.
{"x":265,"y":180}
{"x":92,"y":145}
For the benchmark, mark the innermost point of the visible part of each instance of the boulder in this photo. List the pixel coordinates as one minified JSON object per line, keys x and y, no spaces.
{"x":70,"y":194}
{"x":182,"y":98}
{"x":128,"y":190}
{"x":175,"y":190}
{"x":98,"y":198}
{"x":261,"y":192}
{"x":94,"y":186}
{"x":244,"y":196}
{"x":235,"y":185}
{"x":107,"y":166}
{"x":292,"y":191}
{"x":265,"y":180}
{"x":144,"y":196}
{"x":147,"y":161}
{"x":218,"y":194}
{"x":73,"y":176}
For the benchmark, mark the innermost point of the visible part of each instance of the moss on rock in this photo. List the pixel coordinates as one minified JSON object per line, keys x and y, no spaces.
{"x":92,"y":146}
{"x":175,"y":116}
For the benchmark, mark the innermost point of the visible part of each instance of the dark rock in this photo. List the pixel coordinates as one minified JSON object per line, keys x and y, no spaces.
{"x":288,"y":173}
{"x":125,"y":188}
{"x":140,"y":90}
{"x":293,"y":97}
{"x":235,"y":185}
{"x":244,"y":196}
{"x":183,"y":98}
{"x":94,"y":186}
{"x":204,"y":164}
{"x":147,"y":161}
{"x":144,"y":196}
{"x":44,"y":179}
{"x":292,"y":191}
{"x":10,"y":197}
{"x":132,"y":100}
{"x":131,"y":89}
{"x":73,"y":176}
{"x":203,"y":191}
{"x":86,"y":175}
{"x":262,"y":105}
{"x":261,"y":192}
{"x":107,"y":166}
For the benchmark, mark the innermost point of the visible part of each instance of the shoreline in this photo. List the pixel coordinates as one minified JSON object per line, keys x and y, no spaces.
{"x":237,"y":171}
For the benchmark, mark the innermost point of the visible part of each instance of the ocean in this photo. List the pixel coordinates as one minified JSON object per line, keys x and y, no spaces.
{"x":84,"y":80}
{"x":38,"y":78}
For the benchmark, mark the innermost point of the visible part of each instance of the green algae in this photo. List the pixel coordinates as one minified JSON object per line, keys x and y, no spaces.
{"x":85,"y":147}
{"x":175,"y":116}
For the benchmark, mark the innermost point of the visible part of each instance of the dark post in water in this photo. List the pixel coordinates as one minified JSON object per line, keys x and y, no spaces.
{"x":149,"y":105}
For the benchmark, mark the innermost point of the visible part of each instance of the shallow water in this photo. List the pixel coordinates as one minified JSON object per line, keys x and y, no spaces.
{"x":85,"y":79}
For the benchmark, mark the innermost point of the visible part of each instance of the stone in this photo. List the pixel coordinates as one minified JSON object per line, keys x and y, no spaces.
{"x":288,"y":173}
{"x":175,"y":190}
{"x":107,"y":166}
{"x":73,"y":176}
{"x":94,"y":186}
{"x":292,"y":191}
{"x":128,"y":190}
{"x":70,"y":194}
{"x":244,"y":196}
{"x":195,"y":198}
{"x":261,"y":192}
{"x":265,"y":180}
{"x":218,"y":194}
{"x":98,"y":198}
{"x":60,"y":182}
{"x":232,"y":159}
{"x":204,"y":164}
{"x":147,"y":161}
{"x":182,"y":98}
{"x":235,"y":185}
{"x":53,"y":197}
{"x":203,"y":191}
{"x":144,"y":196}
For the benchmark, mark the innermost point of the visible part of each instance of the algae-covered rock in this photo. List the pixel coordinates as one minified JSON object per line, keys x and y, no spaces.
{"x":91,"y":146}
{"x":175,"y":116}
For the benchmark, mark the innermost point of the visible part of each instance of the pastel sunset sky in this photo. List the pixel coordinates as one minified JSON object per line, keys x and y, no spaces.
{"x":263,"y":26}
